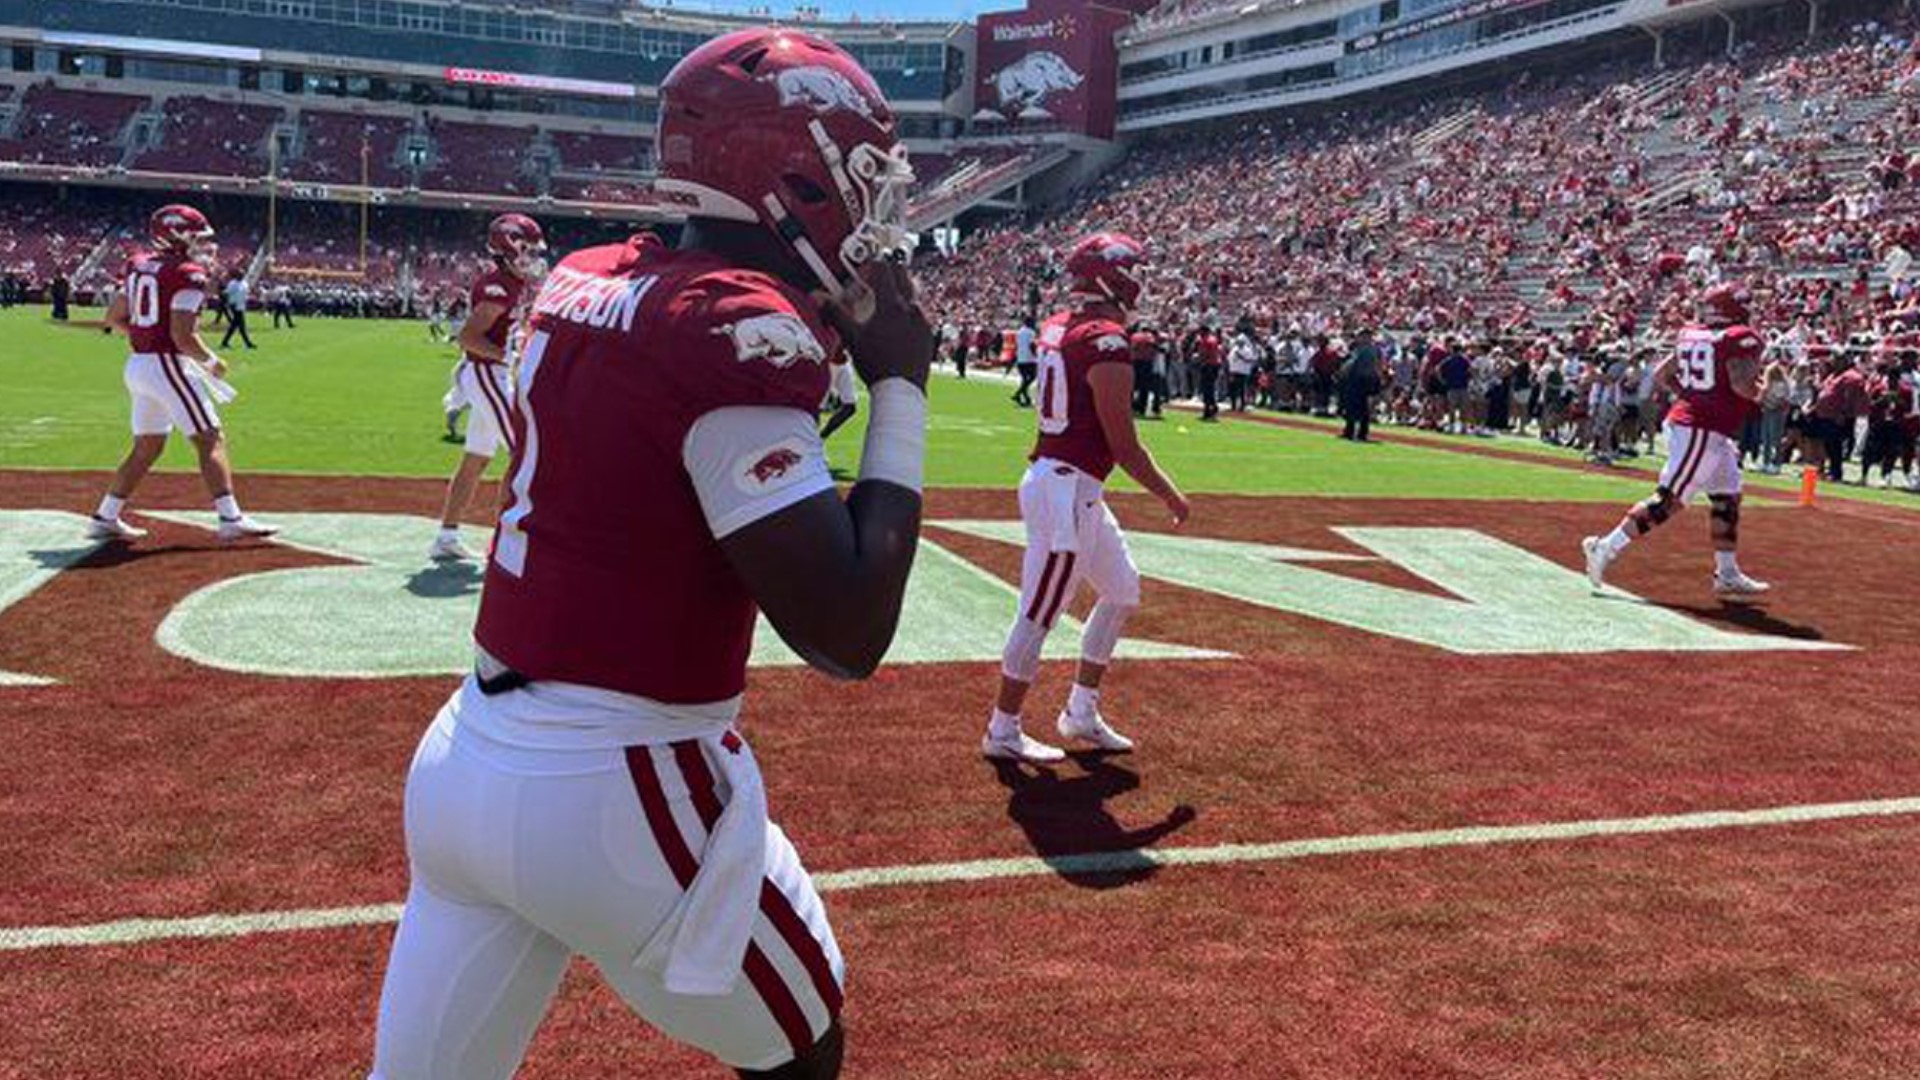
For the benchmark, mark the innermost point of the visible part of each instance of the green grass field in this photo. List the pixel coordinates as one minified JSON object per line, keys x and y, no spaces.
{"x":362,"y":398}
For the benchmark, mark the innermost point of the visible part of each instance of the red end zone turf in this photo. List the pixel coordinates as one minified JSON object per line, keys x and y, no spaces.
{"x":143,"y":785}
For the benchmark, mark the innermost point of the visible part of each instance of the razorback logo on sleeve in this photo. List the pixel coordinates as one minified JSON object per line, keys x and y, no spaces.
{"x":494,"y":290}
{"x":777,"y":337}
{"x":771,"y":468}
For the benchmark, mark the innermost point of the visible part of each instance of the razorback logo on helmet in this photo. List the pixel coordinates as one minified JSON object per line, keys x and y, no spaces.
{"x":1110,"y":342}
{"x":777,"y":337}
{"x":761,"y":471}
{"x":822,"y":89}
{"x":1118,"y":251}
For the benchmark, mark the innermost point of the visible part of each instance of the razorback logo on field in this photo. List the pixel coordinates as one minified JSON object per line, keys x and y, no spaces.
{"x":779,"y":338}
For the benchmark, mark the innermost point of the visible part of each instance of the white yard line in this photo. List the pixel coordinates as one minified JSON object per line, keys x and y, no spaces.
{"x":138,"y":931}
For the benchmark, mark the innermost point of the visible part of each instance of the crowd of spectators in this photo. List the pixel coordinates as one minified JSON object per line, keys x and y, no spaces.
{"x":1551,"y":237}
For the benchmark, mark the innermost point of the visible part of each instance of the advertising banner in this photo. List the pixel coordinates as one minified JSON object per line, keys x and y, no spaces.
{"x":1054,"y":64}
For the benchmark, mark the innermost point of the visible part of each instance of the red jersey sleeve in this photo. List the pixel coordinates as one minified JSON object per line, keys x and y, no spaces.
{"x":184,"y":286}
{"x":1742,"y":345}
{"x":489,"y":289}
{"x":1097,"y":341}
{"x":743,"y":338}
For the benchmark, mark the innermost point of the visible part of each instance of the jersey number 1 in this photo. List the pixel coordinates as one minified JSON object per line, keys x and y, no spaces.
{"x":510,"y":539}
{"x":1053,"y":392}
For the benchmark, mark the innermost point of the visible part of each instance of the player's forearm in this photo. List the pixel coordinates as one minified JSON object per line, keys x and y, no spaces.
{"x":193,"y":348}
{"x":864,"y":610}
{"x":1139,"y":464}
{"x":475,"y":345}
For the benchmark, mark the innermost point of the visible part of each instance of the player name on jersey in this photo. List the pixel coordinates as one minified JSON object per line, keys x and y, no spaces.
{"x":592,"y":300}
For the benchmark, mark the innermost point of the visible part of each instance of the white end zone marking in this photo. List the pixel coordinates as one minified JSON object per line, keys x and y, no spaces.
{"x":139,"y":931}
{"x":35,"y":546}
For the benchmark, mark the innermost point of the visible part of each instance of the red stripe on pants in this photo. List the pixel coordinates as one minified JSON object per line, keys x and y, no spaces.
{"x":176,"y":378}
{"x":1690,"y":464}
{"x":773,"y":903}
{"x":680,"y":858}
{"x":1039,"y":594}
{"x":502,"y":416}
{"x":1060,"y":590}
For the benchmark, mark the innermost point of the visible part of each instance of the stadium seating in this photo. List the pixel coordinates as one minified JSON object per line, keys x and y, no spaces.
{"x":1601,"y":197}
{"x":207,"y":137}
{"x":485,"y":158}
{"x":70,"y":127}
{"x":582,"y":151}
{"x":39,"y":240}
{"x":330,"y":149}
{"x":1548,"y":203}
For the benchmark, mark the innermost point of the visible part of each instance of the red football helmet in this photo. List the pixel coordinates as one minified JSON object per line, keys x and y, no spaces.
{"x":1099,"y":266}
{"x":1725,"y":305}
{"x":784,"y":129}
{"x":180,"y":229}
{"x":519,"y":245}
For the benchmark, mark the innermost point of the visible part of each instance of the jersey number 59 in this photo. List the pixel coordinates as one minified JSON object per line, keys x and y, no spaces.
{"x":1695,"y":369}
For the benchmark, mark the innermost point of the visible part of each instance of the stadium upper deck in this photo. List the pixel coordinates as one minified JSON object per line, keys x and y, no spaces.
{"x":447,"y":104}
{"x":578,"y":42}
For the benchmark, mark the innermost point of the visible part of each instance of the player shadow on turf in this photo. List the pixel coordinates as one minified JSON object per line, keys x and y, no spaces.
{"x":1067,"y":821}
{"x":108,"y":555}
{"x":445,"y":580}
{"x":1730,"y":613}
{"x":1754,"y":618}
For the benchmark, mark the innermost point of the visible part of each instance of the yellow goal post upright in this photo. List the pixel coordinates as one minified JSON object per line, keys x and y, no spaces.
{"x":363,"y":195}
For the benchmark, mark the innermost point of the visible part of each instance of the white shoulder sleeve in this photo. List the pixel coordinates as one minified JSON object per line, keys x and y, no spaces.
{"x":189,"y":300}
{"x":750,"y":461}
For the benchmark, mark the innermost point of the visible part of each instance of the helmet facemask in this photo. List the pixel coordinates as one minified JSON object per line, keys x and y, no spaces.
{"x":872,"y":185}
{"x":201,"y":247}
{"x":529,"y":263}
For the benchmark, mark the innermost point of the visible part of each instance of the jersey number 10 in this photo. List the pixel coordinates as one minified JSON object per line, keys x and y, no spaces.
{"x":143,"y":300}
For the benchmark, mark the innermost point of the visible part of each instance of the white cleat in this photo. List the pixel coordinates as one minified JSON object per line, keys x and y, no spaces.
{"x":100,"y":528}
{"x":244,"y":528}
{"x":1092,"y":729}
{"x":450,"y":549}
{"x":1598,"y":559}
{"x":1737,"y":584}
{"x":1020,"y":746}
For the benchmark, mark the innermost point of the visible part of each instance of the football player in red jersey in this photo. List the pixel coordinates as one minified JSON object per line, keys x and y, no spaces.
{"x":484,"y":379}
{"x":172,"y":376}
{"x":1085,"y":412}
{"x":585,"y":791}
{"x":1713,"y":375}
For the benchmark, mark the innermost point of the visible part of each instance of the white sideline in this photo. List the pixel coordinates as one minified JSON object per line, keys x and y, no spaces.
{"x":137,"y":931}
